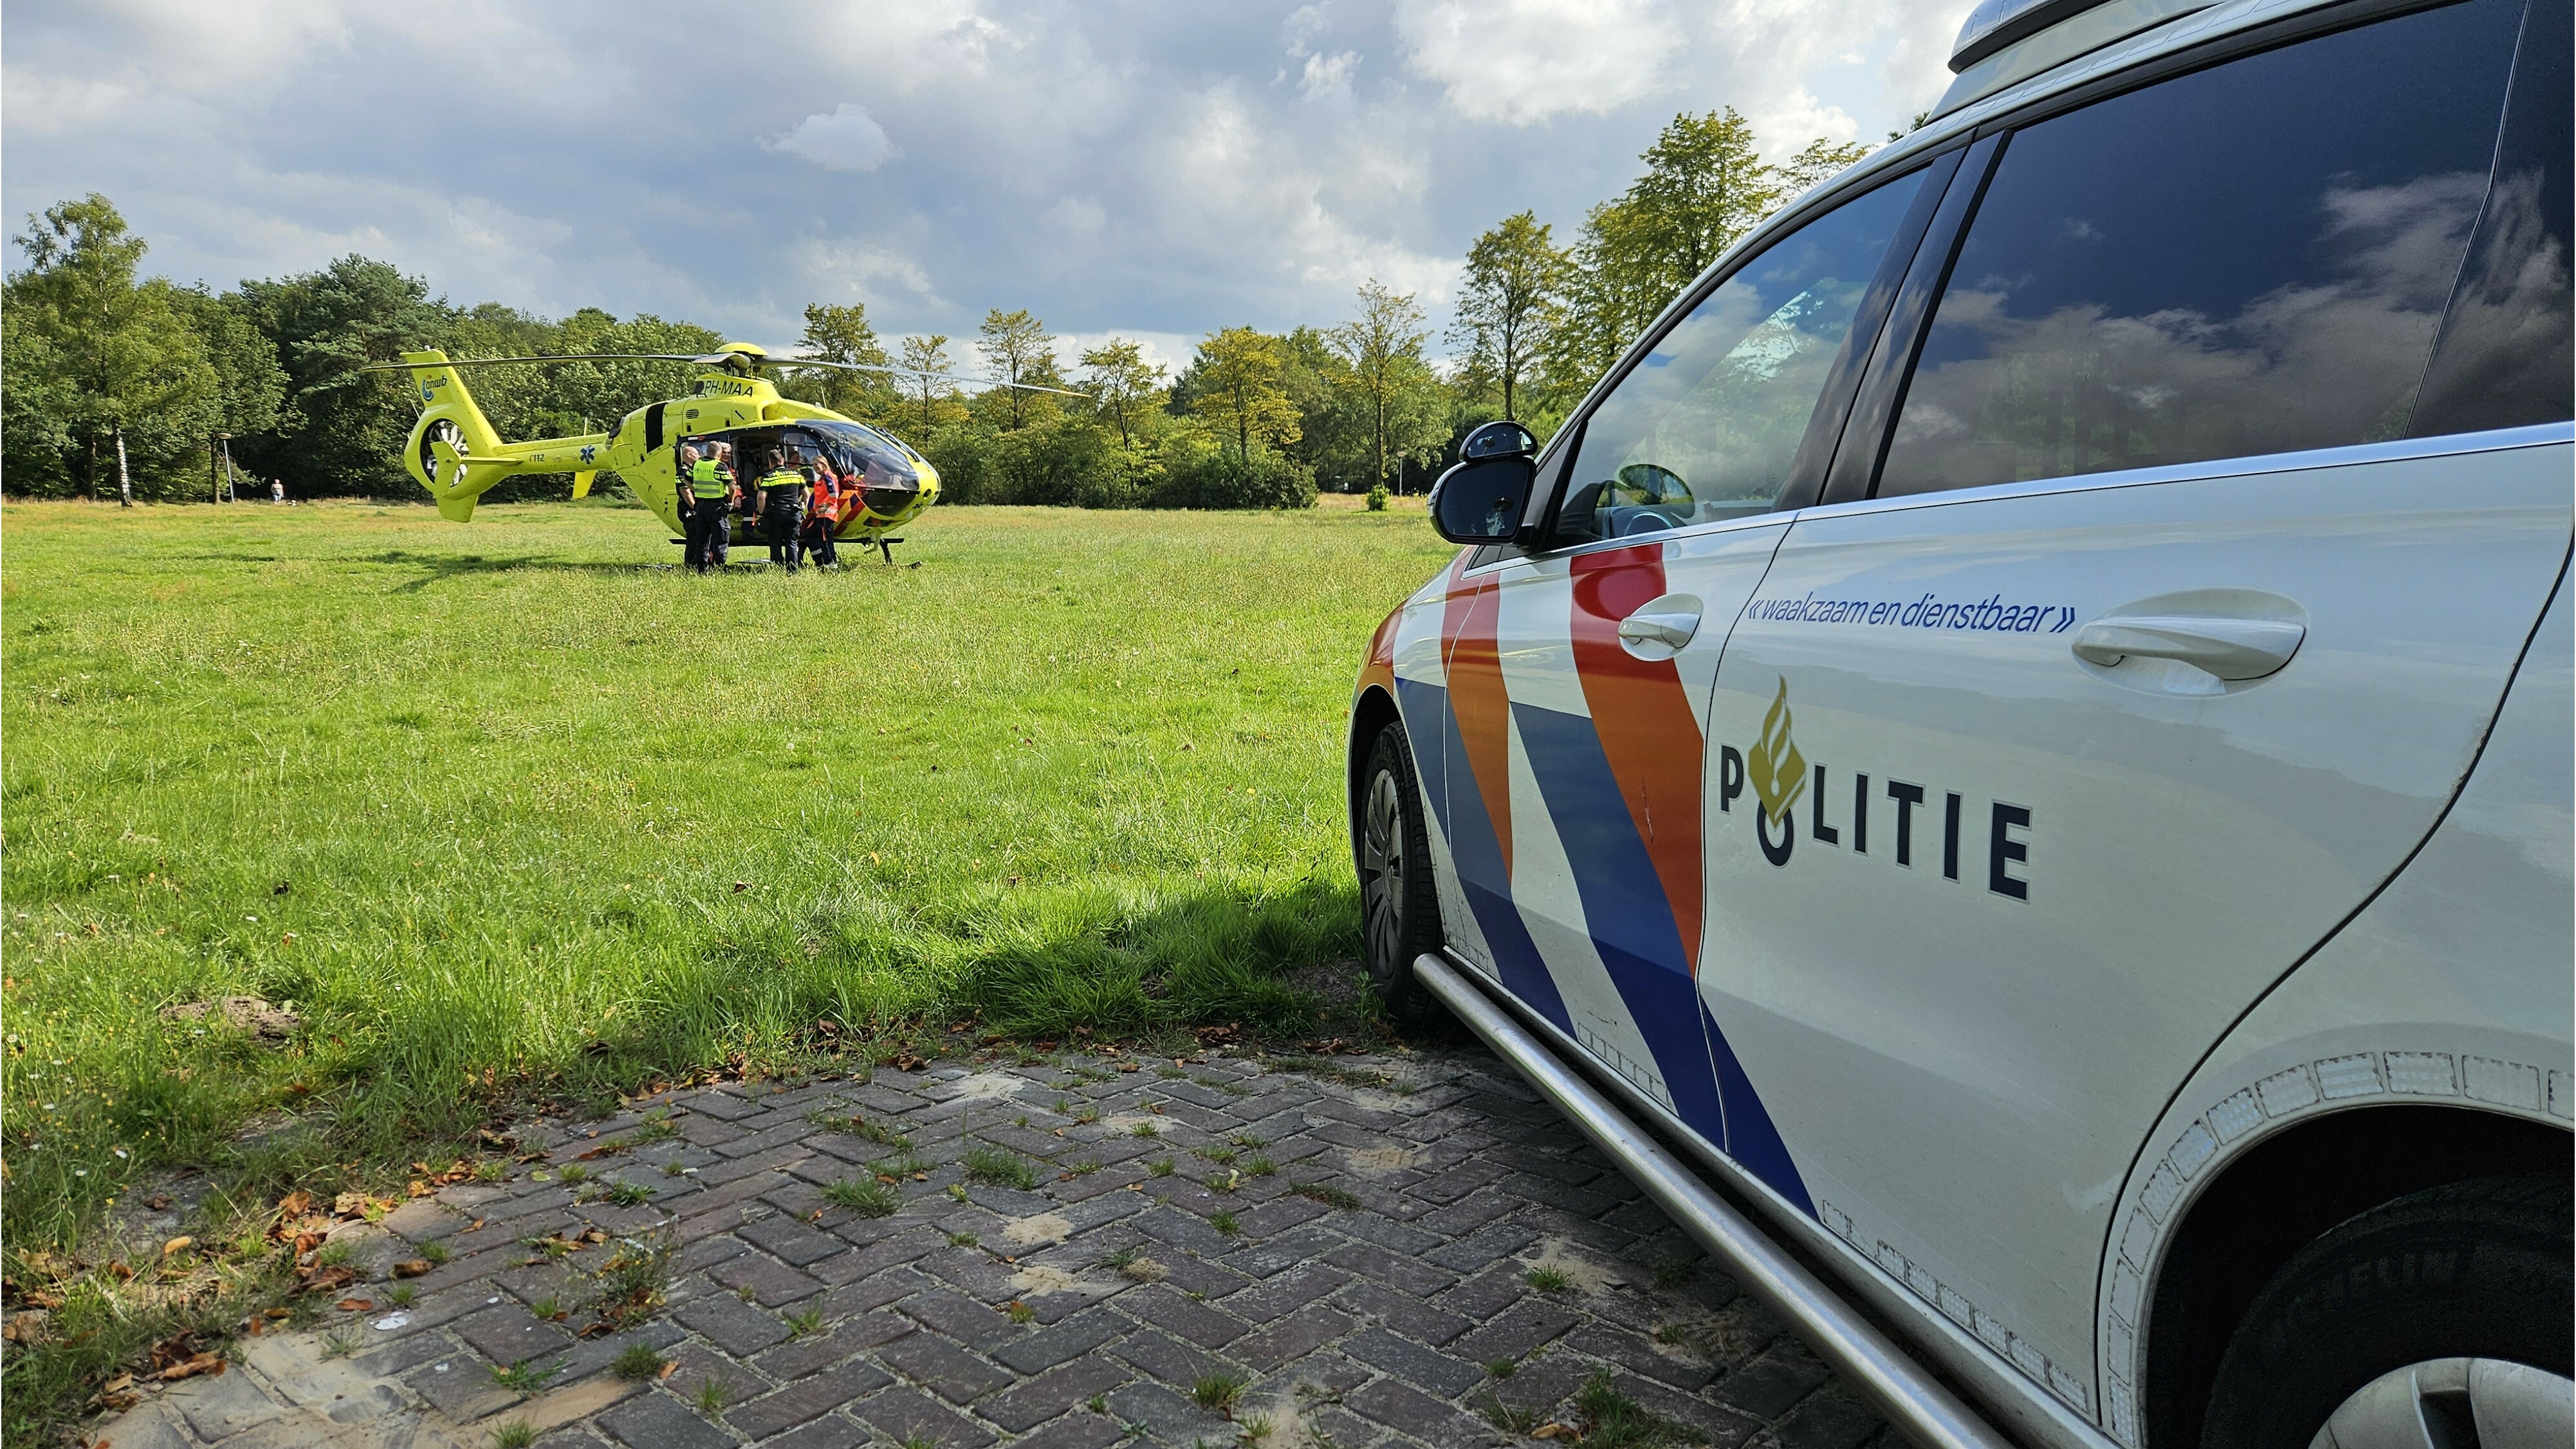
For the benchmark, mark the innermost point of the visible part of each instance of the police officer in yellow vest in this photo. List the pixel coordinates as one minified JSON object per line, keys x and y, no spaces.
{"x":782,"y":507}
{"x":710,"y":515}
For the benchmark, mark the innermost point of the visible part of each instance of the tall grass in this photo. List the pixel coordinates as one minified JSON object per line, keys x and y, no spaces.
{"x":510,"y":809}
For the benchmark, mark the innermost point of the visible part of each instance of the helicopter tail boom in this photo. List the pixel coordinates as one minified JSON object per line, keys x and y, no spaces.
{"x":456,"y":454}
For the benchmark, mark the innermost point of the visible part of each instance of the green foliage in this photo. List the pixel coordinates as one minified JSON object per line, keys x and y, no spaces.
{"x":345,"y":429}
{"x":1612,"y":1420}
{"x":638,"y":1361}
{"x":1377,"y":498}
{"x":1000,"y":1167}
{"x":1017,"y":349}
{"x":1704,"y":187}
{"x":865,"y":1196}
{"x":1236,"y":384}
{"x":843,"y":334}
{"x":1508,"y":310}
{"x":1389,"y":381}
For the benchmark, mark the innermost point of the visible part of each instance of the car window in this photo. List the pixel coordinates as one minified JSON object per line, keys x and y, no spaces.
{"x":1706,"y":424}
{"x":2251,"y":258}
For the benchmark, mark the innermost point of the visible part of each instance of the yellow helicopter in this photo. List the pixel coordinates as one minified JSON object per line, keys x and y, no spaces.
{"x":455,"y":453}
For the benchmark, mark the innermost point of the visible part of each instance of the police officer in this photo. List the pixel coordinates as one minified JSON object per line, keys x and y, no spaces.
{"x":710,"y":486}
{"x":782,"y":507}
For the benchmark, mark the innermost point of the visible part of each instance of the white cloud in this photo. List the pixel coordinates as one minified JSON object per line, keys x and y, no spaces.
{"x":1523,"y":61}
{"x":1143,"y":177}
{"x":846,"y":139}
{"x":1302,"y":26}
{"x":1328,"y":75}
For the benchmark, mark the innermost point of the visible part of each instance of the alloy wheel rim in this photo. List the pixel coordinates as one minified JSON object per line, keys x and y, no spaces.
{"x":1382,"y":868}
{"x":2455,"y":1403}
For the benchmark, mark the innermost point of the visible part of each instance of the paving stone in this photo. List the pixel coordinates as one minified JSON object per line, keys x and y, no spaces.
{"x":1412,"y":1362}
{"x":1516,"y":1330}
{"x":1288,"y":1291}
{"x":1284,"y":1251}
{"x":942,"y":1367}
{"x":1408,"y":1410}
{"x":872,"y":1293}
{"x":1070,"y":1339}
{"x":732,"y":1325}
{"x":658,"y":1421}
{"x":1076,"y":1431}
{"x":832,"y":1431}
{"x":1165,"y":1413}
{"x":770,"y":1281}
{"x":790,"y":1241}
{"x":1054,"y":1392}
{"x":460,"y":1386}
{"x":1772,"y":1384}
{"x":1404,"y":1313}
{"x":1639,"y":1354}
{"x":1830,"y":1419}
{"x":510,"y":1334}
{"x":1292,"y":1337}
{"x":806,"y":1399}
{"x":1393,"y":1307}
{"x":960,"y":1318}
{"x":1167,"y":1358}
{"x":902,"y":1413}
{"x":226,"y":1406}
{"x":1196,"y":1322}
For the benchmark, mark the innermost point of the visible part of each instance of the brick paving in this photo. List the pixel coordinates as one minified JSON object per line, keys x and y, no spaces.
{"x":1439,"y":1260}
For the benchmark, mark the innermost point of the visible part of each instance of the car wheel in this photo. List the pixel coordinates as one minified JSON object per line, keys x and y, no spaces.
{"x":2439,"y":1320}
{"x":1400,"y":916}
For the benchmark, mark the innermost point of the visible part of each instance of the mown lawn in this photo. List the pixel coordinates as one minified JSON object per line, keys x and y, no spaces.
{"x":516,"y":811}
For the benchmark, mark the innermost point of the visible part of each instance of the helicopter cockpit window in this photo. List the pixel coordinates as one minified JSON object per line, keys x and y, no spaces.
{"x":881,"y":468}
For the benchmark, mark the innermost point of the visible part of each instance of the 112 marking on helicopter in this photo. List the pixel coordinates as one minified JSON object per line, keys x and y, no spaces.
{"x":457,"y":455}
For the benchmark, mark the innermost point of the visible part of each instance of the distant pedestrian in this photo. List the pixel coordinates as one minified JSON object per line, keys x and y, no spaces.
{"x":277,"y":490}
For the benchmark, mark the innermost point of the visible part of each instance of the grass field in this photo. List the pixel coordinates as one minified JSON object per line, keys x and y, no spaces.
{"x":517,"y":811}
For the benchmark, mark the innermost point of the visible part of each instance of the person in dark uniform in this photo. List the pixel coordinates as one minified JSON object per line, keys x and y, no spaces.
{"x":782,"y":507}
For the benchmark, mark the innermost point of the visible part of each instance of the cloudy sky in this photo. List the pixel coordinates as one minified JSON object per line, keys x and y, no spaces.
{"x":1155,"y":170}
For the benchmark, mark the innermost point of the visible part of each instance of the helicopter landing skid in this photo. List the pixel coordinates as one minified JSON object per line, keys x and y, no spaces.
{"x":885,"y":547}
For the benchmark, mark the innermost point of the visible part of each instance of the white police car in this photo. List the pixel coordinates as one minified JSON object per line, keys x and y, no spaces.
{"x":2028,"y":725}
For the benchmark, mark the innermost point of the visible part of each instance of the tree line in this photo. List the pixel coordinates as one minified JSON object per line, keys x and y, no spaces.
{"x":117,"y":381}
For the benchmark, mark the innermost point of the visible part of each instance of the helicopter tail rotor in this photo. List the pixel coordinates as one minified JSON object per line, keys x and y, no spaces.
{"x":451,"y":433}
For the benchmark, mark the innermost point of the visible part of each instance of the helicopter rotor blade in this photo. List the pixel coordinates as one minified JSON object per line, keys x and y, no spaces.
{"x":724,"y":359}
{"x":549,"y":357}
{"x":910,"y":372}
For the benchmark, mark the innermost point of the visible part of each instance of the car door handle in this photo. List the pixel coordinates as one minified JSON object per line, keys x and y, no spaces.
{"x":2228,"y":648}
{"x":1661,"y":627}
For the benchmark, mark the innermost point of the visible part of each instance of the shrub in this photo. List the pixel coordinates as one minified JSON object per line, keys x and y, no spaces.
{"x":1377,"y":499}
{"x":1220,"y":479}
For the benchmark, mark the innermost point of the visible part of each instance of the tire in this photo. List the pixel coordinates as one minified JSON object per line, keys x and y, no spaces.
{"x":1399,"y":907}
{"x":2404,"y":1292}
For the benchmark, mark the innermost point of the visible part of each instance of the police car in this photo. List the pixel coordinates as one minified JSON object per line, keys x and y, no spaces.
{"x":2026,"y":729}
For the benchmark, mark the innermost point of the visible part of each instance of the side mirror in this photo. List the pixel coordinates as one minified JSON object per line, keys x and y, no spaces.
{"x":1501,"y":438}
{"x":1482,"y":500}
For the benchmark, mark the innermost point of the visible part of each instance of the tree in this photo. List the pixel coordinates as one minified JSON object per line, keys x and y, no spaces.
{"x":1822,"y":161}
{"x":1515,"y":274}
{"x":123,"y":351}
{"x":1017,"y":349}
{"x":842,"y":334}
{"x":924,"y":358}
{"x":1123,"y":381}
{"x":348,"y":428}
{"x":1239,"y":389}
{"x":1388,"y":377}
{"x":1704,"y":187}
